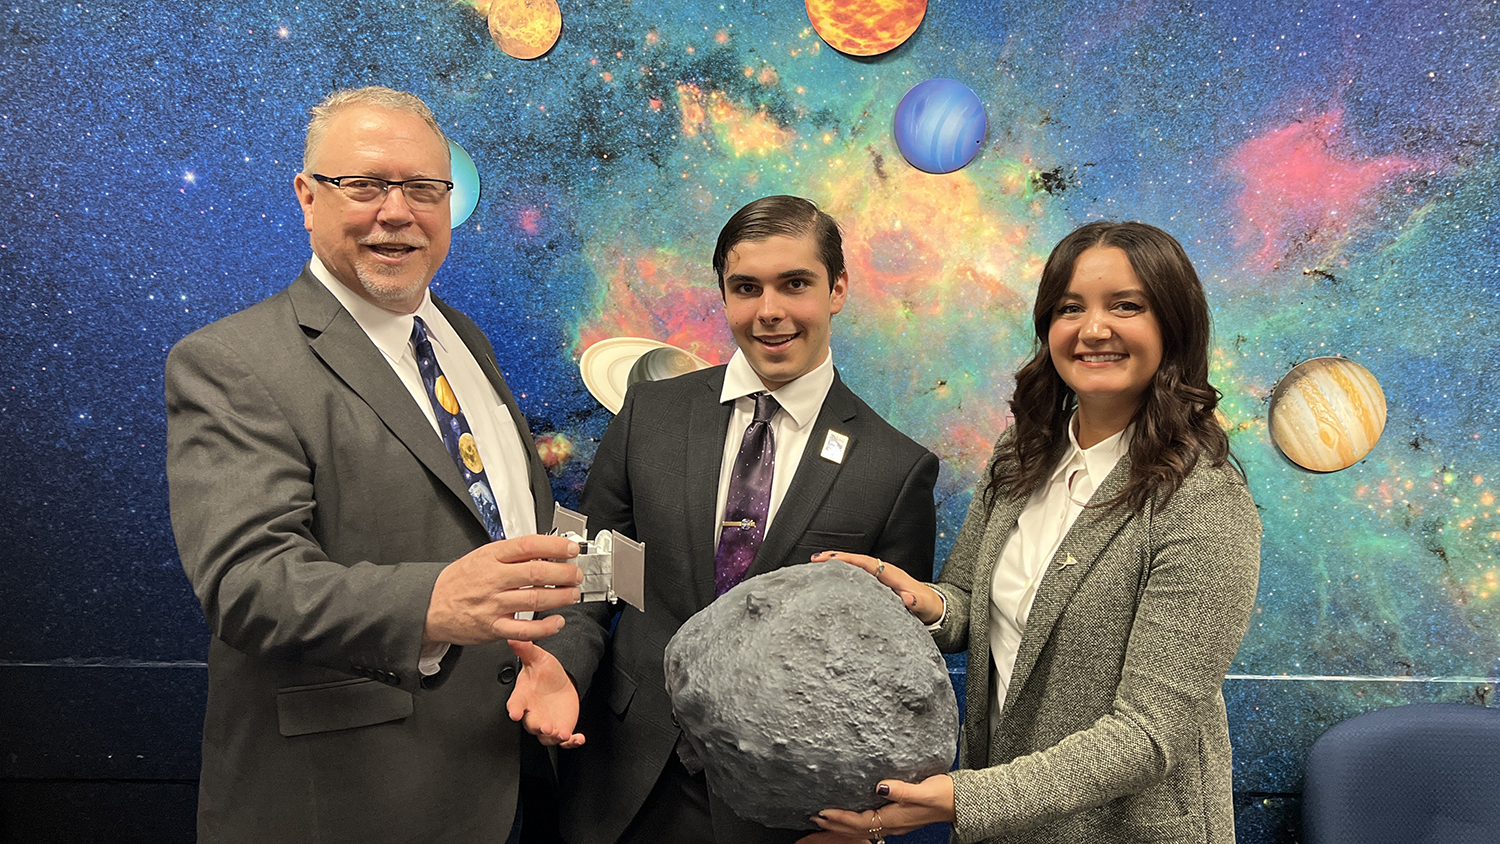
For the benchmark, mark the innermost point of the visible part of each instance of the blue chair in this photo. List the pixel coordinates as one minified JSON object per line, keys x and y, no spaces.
{"x":1422,"y":774}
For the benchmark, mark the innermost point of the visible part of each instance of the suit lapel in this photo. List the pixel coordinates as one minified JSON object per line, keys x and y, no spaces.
{"x":810,"y":486}
{"x":479,"y":347}
{"x":1090,"y":535}
{"x":341,"y":344}
{"x":707,"y":424}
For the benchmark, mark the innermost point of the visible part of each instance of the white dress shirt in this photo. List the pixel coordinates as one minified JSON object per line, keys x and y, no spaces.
{"x":501,"y":448}
{"x":1046,"y":519}
{"x":801,"y":401}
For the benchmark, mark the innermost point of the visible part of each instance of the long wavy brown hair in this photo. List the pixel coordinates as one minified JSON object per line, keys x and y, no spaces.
{"x":1174,"y":426}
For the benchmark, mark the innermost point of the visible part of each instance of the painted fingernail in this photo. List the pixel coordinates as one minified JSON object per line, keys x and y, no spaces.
{"x":883,"y":790}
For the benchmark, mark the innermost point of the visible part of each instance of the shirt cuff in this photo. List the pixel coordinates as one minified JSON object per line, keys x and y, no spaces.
{"x":430,"y":662}
{"x":938,"y":625}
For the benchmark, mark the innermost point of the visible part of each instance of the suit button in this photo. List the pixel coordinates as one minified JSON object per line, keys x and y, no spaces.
{"x":393,"y":678}
{"x":507,"y":674}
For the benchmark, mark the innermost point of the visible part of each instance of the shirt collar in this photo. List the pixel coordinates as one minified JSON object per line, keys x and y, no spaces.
{"x":802,"y":399}
{"x":1100,"y":458}
{"x":391,"y":333}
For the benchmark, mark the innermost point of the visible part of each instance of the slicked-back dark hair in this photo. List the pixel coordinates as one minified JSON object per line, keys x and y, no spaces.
{"x":1175,"y":423}
{"x":788,"y":216}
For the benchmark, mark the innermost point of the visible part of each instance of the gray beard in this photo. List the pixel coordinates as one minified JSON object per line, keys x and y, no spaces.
{"x":381,"y":288}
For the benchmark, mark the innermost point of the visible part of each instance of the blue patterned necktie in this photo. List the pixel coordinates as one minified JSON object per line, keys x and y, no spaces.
{"x":455,"y":430}
{"x":749,"y":499}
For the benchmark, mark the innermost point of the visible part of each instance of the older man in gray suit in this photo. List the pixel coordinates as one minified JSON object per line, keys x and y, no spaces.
{"x":345,"y":464}
{"x":725,"y":474}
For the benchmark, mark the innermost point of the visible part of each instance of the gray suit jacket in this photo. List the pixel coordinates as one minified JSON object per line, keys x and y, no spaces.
{"x":655,"y":478}
{"x":314,"y":507}
{"x":1114,"y":726}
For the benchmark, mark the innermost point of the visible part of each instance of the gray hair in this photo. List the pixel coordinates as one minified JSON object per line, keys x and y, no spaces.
{"x":323,"y":113}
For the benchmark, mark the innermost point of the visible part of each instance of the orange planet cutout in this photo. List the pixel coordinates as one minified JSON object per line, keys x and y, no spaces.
{"x":525,"y":28}
{"x":865,"y":27}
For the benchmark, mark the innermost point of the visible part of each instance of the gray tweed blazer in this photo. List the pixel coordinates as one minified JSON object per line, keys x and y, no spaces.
{"x":1114,"y":726}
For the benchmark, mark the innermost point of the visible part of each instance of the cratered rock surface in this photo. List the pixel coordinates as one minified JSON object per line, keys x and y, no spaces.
{"x":802,"y":688}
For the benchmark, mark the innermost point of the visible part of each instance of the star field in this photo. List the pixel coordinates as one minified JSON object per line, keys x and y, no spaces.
{"x":1331,"y":168}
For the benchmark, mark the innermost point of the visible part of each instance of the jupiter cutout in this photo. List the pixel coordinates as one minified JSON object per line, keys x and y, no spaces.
{"x":1327,"y":414}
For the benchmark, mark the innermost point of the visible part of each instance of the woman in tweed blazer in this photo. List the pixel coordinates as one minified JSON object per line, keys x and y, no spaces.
{"x":1113,"y":725}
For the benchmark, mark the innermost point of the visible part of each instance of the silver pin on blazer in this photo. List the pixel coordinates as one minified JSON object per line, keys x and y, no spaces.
{"x":835,"y":445}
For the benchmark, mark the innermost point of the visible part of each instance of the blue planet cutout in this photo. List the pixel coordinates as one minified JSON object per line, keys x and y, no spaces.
{"x":940,"y":124}
{"x":465,"y":195}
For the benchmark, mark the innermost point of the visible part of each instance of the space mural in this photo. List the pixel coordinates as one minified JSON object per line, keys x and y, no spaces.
{"x":1332,"y":168}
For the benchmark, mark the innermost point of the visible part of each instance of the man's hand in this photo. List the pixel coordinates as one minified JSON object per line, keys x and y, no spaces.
{"x":475,"y":598}
{"x":544,"y":700}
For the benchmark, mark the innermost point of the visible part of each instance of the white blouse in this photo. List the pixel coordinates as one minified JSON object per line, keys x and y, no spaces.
{"x":1046,"y":519}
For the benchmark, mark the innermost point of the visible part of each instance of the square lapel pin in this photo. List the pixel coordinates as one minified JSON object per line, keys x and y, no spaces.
{"x":834,"y":446}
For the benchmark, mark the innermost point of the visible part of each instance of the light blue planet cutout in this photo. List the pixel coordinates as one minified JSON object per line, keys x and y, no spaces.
{"x":940,"y":125}
{"x":465,"y":195}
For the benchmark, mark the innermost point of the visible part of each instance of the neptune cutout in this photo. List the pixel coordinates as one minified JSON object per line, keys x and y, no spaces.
{"x":940,"y":124}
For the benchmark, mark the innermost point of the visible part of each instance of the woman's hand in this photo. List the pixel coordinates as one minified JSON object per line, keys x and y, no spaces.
{"x":912,"y":805}
{"x":923,"y":601}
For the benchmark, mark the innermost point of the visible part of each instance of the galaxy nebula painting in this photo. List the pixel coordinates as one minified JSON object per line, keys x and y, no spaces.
{"x":1331,"y":166}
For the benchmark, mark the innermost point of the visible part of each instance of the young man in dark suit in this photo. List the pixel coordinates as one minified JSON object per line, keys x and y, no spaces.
{"x":725,"y":474}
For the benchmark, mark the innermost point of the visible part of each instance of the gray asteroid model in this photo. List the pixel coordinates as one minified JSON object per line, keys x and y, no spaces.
{"x":802,"y":688}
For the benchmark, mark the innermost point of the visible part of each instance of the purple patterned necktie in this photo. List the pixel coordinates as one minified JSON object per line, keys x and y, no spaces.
{"x":454,"y":428}
{"x":749,"y":500}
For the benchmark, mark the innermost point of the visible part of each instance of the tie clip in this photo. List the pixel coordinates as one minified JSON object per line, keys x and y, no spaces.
{"x":742,"y":524}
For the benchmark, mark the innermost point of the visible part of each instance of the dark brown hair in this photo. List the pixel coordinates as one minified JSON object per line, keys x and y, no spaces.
{"x":1175,"y":423}
{"x":789,"y":216}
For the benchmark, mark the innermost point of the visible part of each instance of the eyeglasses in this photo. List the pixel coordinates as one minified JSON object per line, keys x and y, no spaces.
{"x":422,"y":193}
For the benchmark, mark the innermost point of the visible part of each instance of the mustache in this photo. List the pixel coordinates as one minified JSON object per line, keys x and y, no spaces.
{"x":388,"y":240}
